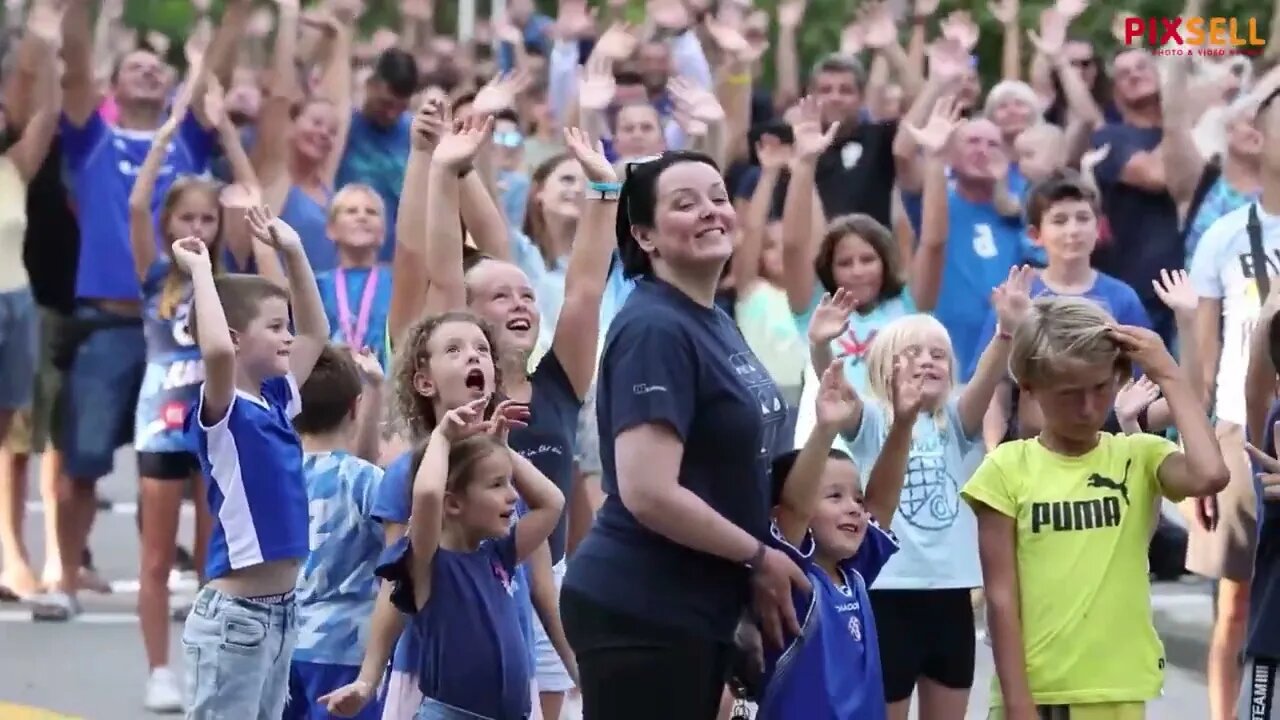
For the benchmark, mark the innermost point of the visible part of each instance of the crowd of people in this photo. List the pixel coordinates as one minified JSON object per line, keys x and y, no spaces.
{"x":576,"y":358}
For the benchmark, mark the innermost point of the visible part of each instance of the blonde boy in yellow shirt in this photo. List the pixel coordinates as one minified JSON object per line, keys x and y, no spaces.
{"x":1064,"y":519}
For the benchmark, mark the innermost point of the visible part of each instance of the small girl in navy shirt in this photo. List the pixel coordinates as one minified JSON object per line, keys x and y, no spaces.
{"x":823,"y":521}
{"x":453,"y":571}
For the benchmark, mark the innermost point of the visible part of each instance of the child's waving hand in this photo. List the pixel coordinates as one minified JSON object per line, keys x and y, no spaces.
{"x":1012,"y":300}
{"x":831,"y":317}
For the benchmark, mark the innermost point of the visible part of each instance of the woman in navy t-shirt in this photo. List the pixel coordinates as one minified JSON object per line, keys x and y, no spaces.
{"x":655,"y":591}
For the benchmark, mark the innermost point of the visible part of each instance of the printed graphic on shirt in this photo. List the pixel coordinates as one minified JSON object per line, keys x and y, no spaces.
{"x":984,"y":241}
{"x":853,"y":348}
{"x":930,"y":494}
{"x":752,"y":374}
{"x":1090,"y":514}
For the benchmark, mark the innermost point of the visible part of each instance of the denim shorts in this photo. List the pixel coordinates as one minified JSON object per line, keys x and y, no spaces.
{"x":19,"y":343}
{"x":101,"y":393}
{"x":237,"y":655}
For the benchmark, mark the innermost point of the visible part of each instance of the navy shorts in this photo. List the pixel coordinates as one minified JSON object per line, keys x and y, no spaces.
{"x":101,"y":393}
{"x":310,"y":681}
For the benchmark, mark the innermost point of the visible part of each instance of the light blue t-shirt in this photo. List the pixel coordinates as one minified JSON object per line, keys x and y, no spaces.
{"x":376,"y":156}
{"x":103,"y":162}
{"x":336,"y":586}
{"x":937,"y":532}
{"x":982,"y":245}
{"x":853,"y":343}
{"x":356,"y":280}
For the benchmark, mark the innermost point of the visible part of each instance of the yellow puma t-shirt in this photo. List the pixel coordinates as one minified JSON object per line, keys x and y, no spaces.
{"x":1083,"y":526}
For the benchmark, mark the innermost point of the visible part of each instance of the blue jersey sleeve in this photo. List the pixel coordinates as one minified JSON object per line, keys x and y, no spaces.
{"x":650,"y":370}
{"x":392,"y":499}
{"x":283,"y":392}
{"x":878,"y":545}
{"x":156,"y":274}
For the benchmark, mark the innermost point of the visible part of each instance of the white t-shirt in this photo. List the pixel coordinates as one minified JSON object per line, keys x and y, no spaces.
{"x":1222,"y":269}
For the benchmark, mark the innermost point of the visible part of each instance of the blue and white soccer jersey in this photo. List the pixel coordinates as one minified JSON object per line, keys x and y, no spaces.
{"x":257,"y":493}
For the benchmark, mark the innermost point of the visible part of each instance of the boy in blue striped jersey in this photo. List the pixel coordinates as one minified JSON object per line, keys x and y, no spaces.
{"x":825,"y":523}
{"x":240,"y":635}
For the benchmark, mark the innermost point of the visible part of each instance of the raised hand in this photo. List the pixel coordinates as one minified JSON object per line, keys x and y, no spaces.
{"x":831,"y":317}
{"x":458,"y":149}
{"x":936,"y":133}
{"x":500,"y":93}
{"x":192,"y":256}
{"x":506,"y":31}
{"x":271,"y":230}
{"x":1006,"y":11}
{"x":1147,"y":350}
{"x":670,"y":15}
{"x":791,"y":13}
{"x":852,"y":39}
{"x":837,"y":403}
{"x":1134,"y":397}
{"x":416,"y":10}
{"x":1071,"y":9}
{"x":878,"y":28}
{"x":1118,"y":23}
{"x":347,"y":11}
{"x":1173,"y":287}
{"x":428,"y":126}
{"x":463,"y":421}
{"x":1270,"y":475}
{"x":617,"y":43}
{"x":44,"y":21}
{"x":695,"y":107}
{"x":725,"y":31}
{"x":370,"y":369}
{"x":508,"y":414}
{"x":597,"y":87}
{"x":575,"y":20}
{"x":906,"y":387}
{"x":1093,"y":157}
{"x":960,"y":27}
{"x":948,"y":60}
{"x":1012,"y":300}
{"x":925,"y":8}
{"x":810,"y":140}
{"x":772,"y":153}
{"x":590,"y":155}
{"x":1052,"y":36}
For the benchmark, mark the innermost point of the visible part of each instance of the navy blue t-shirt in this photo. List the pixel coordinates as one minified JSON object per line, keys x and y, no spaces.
{"x":670,"y":361}
{"x":548,"y":441}
{"x":832,"y":670}
{"x":1264,"y":592}
{"x":473,"y":653}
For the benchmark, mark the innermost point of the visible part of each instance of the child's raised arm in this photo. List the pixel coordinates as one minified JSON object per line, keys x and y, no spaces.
{"x":142,"y":238}
{"x":838,"y":408}
{"x":308,"y":310}
{"x":1199,"y":469}
{"x":931,"y":253}
{"x":369,"y":412}
{"x":212,"y":334}
{"x":1174,"y":289}
{"x":453,"y":158}
{"x":884,"y":483}
{"x":828,"y":321}
{"x":578,"y":330}
{"x":409,"y":282}
{"x":1012,"y":302}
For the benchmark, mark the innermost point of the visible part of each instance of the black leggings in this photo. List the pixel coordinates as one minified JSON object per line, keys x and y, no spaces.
{"x":633,"y":669}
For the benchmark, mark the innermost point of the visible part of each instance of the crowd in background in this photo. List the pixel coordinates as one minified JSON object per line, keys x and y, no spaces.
{"x":880,"y":184}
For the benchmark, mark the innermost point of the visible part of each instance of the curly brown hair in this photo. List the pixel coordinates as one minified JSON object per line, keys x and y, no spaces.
{"x":412,"y":356}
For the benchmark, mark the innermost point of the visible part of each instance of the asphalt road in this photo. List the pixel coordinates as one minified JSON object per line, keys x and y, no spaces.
{"x":94,"y":668}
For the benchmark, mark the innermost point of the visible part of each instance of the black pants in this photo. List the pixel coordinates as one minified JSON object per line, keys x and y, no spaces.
{"x":633,"y":669}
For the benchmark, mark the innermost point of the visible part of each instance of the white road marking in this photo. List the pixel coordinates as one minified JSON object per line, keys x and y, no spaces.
{"x":35,"y":507}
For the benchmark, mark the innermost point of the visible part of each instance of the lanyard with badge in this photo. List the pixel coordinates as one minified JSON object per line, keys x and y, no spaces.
{"x":354,"y":330}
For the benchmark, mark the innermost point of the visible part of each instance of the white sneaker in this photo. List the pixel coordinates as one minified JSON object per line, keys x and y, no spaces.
{"x":164,"y":695}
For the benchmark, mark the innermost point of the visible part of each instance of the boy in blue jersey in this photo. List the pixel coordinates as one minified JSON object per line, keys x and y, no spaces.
{"x":337,"y":589}
{"x":825,"y":524}
{"x":240,"y":635}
